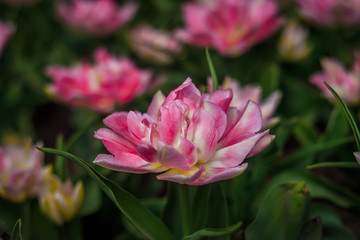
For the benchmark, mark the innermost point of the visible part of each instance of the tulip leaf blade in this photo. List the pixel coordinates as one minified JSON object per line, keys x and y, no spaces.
{"x":14,"y":234}
{"x":212,"y":70}
{"x":211,"y":232}
{"x":131,"y":207}
{"x":348,"y":115}
{"x":334,"y":164}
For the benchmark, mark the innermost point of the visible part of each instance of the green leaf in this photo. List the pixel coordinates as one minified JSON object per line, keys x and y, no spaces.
{"x":319,"y":188}
{"x":280,"y":214}
{"x":140,"y":216}
{"x":334,"y":164}
{"x":212,"y":71}
{"x":333,"y":228}
{"x":210,"y":232}
{"x":312,"y":230}
{"x":16,"y":234}
{"x":201,"y":205}
{"x":348,"y":115}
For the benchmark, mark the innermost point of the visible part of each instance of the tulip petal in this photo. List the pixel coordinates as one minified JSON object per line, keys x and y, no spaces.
{"x":218,"y":174}
{"x":182,"y":177}
{"x":235,"y":154}
{"x":263,"y":143}
{"x":127,"y":162}
{"x":115,"y":143}
{"x":250,"y":122}
{"x":117,"y":122}
{"x":171,"y":158}
{"x":202,"y":132}
{"x":155,"y":104}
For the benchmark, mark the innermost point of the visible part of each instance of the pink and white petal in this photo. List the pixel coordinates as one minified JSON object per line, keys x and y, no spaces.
{"x":263,"y":143}
{"x":218,"y":174}
{"x":222,"y":98}
{"x":186,"y":92}
{"x":117,"y":122}
{"x":126,"y":162}
{"x":176,"y":175}
{"x":269,"y":123}
{"x":250,"y":122}
{"x":189,"y":150}
{"x":219,"y":116}
{"x":171,"y":158}
{"x":115,"y":143}
{"x":235,"y":154}
{"x":155,"y":104}
{"x":270,"y":104}
{"x":139,"y":132}
{"x":202,"y":132}
{"x":148,"y":153}
{"x":170,"y":124}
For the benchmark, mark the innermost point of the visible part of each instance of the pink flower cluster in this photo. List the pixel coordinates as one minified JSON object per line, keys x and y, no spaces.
{"x":99,"y":86}
{"x":229,"y":26}
{"x":188,"y":137}
{"x":154,"y":45}
{"x":331,"y":13}
{"x":97,"y":17}
{"x":346,"y":84}
{"x":6,"y":31}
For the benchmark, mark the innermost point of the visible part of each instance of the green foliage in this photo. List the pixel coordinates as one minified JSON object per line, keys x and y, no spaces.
{"x":145,"y":221}
{"x":280,"y":214}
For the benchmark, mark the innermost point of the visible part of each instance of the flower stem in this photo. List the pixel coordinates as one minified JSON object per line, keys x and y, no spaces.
{"x":27,"y":219}
{"x":185,"y":209}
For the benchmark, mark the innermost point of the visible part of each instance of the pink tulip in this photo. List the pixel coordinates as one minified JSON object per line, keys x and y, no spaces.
{"x":97,"y":17}
{"x":6,"y":31}
{"x":331,"y":13}
{"x":154,"y":45}
{"x":188,"y":137}
{"x":346,"y":84}
{"x":241,"y":96}
{"x":98,"y":86}
{"x":21,"y":171}
{"x":230,"y":26}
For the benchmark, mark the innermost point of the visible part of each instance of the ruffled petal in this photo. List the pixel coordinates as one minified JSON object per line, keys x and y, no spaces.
{"x":127,"y":162}
{"x":218,"y":174}
{"x":249,"y":123}
{"x":182,"y":177}
{"x":115,"y":143}
{"x":235,"y":154}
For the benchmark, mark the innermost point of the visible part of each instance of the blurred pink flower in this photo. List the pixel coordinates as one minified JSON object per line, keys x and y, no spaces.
{"x":98,"y":86}
{"x":18,"y":2}
{"x":95,"y":17}
{"x":331,"y":13}
{"x":229,"y":26}
{"x":154,"y":45}
{"x":21,"y":171}
{"x":6,"y":31}
{"x":241,"y":95}
{"x":346,"y":84}
{"x":189,"y":137}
